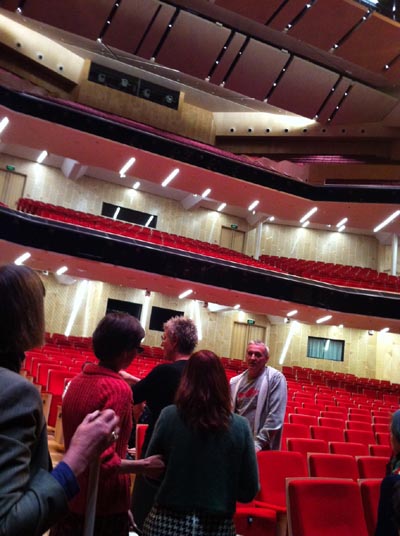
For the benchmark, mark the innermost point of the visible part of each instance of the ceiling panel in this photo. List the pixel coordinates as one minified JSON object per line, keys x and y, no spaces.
{"x":364,"y":104}
{"x":192,"y":45}
{"x":303,"y":88}
{"x":287,"y":14}
{"x":10,"y":4}
{"x":82,"y":18}
{"x":333,"y":100}
{"x":256,"y":70}
{"x":325,"y":23}
{"x":252,"y":9}
{"x":130,"y":23}
{"x":372,"y":44}
{"x":393,"y":74}
{"x":227,"y":59}
{"x":155,"y":32}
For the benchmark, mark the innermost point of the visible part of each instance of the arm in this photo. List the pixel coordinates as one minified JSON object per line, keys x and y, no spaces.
{"x":248,"y":484}
{"x":274,"y":414}
{"x":153,"y":466}
{"x":30,"y":498}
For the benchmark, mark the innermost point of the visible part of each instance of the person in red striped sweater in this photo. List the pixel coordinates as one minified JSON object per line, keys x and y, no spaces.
{"x":116,"y":341}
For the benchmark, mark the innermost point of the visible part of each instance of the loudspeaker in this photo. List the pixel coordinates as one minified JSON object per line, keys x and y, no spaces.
{"x":134,"y":86}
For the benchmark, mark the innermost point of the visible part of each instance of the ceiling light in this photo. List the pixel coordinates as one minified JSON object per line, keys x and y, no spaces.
{"x":271,"y":218}
{"x":292,"y":313}
{"x":253,"y":205}
{"x":387,"y":221}
{"x":136,"y":185}
{"x":221,"y":207}
{"x":306,"y":223}
{"x":185,"y":294}
{"x":22,"y":258}
{"x":116,"y":213}
{"x":384,"y":330}
{"x":323,"y":319}
{"x":340,"y":326}
{"x":42,"y":157}
{"x":342,"y":228}
{"x":149,"y":221}
{"x":237,"y":306}
{"x":3,"y":123}
{"x":125,"y":167}
{"x":206,"y":193}
{"x":308,"y":215}
{"x":62,"y":270}
{"x":170,"y":177}
{"x":342,"y":222}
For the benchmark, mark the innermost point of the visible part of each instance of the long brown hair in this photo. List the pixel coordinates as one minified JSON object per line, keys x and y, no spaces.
{"x":22,"y":309}
{"x":203,"y":397}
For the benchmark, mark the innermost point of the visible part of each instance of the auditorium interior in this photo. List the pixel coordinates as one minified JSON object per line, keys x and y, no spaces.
{"x":237,"y":162}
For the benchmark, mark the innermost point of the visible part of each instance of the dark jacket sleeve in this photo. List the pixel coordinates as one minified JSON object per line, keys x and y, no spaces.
{"x":31,"y":499}
{"x":248,"y":484}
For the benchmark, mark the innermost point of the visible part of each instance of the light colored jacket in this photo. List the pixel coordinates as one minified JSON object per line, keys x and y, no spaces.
{"x":270,"y":409}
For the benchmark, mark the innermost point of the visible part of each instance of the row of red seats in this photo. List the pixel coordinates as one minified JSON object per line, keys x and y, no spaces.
{"x":292,"y":490}
{"x":147,"y":234}
{"x":353,"y":276}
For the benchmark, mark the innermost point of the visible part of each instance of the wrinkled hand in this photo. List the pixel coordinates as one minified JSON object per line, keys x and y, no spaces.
{"x":91,"y":438}
{"x":154,"y":466}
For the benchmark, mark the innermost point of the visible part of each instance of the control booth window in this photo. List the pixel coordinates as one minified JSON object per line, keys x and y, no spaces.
{"x":159,"y":316}
{"x":321,"y":348}
{"x":127,"y":214}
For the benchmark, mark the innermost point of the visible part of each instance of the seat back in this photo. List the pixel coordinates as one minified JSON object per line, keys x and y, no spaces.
{"x":332,"y":422}
{"x":380,"y":450}
{"x":140,"y":435}
{"x":293,"y":430}
{"x":327,"y":433}
{"x":343,"y":447}
{"x":305,"y":445}
{"x":372,"y":466}
{"x":365,"y":436}
{"x":274,"y":467}
{"x":324,"y":506}
{"x":308,"y":420}
{"x":332,"y":465}
{"x":370,"y":492}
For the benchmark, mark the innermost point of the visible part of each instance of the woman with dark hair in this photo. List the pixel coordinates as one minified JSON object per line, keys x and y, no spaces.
{"x":116,"y":341}
{"x":388,"y":512}
{"x":209,"y":455}
{"x":31,"y":497}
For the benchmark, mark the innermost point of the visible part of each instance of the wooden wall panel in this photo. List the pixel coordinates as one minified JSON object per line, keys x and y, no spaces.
{"x":365,"y":47}
{"x":252,"y":9}
{"x":256,"y":70}
{"x":303,"y":88}
{"x":206,"y":42}
{"x":325,"y":23}
{"x":364,"y":105}
{"x":130,"y":23}
{"x":83,"y":18}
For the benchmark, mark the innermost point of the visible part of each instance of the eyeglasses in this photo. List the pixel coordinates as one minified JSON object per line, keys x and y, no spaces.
{"x":256,"y":354}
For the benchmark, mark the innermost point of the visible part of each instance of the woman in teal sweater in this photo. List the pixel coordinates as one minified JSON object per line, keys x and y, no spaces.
{"x":209,"y":455}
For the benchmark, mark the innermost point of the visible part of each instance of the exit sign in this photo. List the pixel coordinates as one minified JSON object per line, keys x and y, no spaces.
{"x":251,"y":321}
{"x":10,"y":168}
{"x":234,"y":226}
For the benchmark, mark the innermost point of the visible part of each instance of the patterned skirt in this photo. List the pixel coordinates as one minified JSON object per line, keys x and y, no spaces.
{"x":165,"y":522}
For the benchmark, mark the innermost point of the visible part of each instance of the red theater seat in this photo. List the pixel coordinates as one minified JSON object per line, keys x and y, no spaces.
{"x":325,"y":506}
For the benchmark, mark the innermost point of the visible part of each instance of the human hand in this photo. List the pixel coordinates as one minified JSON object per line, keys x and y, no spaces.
{"x":153,"y":466}
{"x":97,"y":431}
{"x":129,"y":378}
